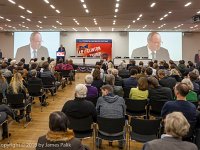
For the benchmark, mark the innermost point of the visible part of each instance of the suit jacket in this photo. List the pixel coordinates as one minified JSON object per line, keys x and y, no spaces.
{"x":161,"y":54}
{"x":24,"y":52}
{"x":169,"y":143}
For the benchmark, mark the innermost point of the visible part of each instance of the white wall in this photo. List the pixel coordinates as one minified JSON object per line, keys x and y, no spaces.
{"x":7,"y":44}
{"x":119,"y":41}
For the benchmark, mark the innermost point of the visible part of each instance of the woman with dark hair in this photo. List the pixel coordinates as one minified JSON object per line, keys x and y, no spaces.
{"x":97,"y":81}
{"x":59,"y":137}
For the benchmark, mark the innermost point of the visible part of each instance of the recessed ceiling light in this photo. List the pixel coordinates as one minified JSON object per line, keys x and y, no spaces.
{"x":45,"y":17}
{"x":116,"y":10}
{"x":28,"y":19}
{"x":133,"y":21}
{"x":30,"y":12}
{"x":188,"y":4}
{"x":52,"y":6}
{"x":138,"y":18}
{"x":8,"y":20}
{"x":12,"y":1}
{"x":113,"y":29}
{"x":57,"y":11}
{"x":153,"y":4}
{"x":21,"y":7}
{"x":37,"y":26}
{"x":144,"y":26}
{"x":153,"y":21}
{"x":169,"y":12}
{"x":22,"y":17}
{"x":82,"y":1}
{"x":87,"y":11}
{"x":87,"y":29}
{"x":113,"y":23}
{"x":84,"y":6}
{"x":161,"y":18}
{"x":74,"y":19}
{"x":74,"y":29}
{"x":39,"y":21}
{"x":191,"y":27}
{"x":117,"y":0}
{"x":165,"y":15}
{"x":46,"y":1}
{"x":129,"y":26}
{"x":117,"y":5}
{"x":99,"y":28}
{"x":196,"y":26}
{"x":198,"y":12}
{"x":94,"y":19}
{"x":1,"y":17}
{"x":140,"y":15}
{"x":115,"y":16}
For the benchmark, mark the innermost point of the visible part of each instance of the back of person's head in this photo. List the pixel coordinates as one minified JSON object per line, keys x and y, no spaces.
{"x":33,"y":65}
{"x":109,"y":70}
{"x":13,"y":62}
{"x":141,"y":63}
{"x":133,"y":72}
{"x":4,"y":65}
{"x":42,"y":58}
{"x":133,"y":62}
{"x":188,"y":82}
{"x":193,"y":76}
{"x":161,"y":73}
{"x":161,"y":63}
{"x":150,"y":64}
{"x":16,"y":82}
{"x":149,"y":71}
{"x":173,"y":66}
{"x":107,"y":87}
{"x":176,"y":125}
{"x":60,"y":61}
{"x":20,"y":64}
{"x":45,"y":65}
{"x":35,"y":59}
{"x":166,"y":65}
{"x":182,"y":89}
{"x":155,"y":61}
{"x":23,"y":60}
{"x":115,"y":72}
{"x":33,"y":73}
{"x":153,"y":82}
{"x":88,"y":79}
{"x":96,"y":74}
{"x":58,"y":121}
{"x":110,"y":79}
{"x":80,"y":91}
{"x":143,"y":84}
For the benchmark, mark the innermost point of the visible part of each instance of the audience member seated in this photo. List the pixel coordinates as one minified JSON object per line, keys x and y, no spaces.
{"x":175,"y":72}
{"x":149,"y":72}
{"x":3,"y":85}
{"x":131,"y":64}
{"x":111,"y":65}
{"x":16,"y":86}
{"x":191,"y":96}
{"x":194,"y":79}
{"x":123,"y":72}
{"x":41,"y":62}
{"x":176,"y":127}
{"x":46,"y":73}
{"x":110,"y":106}
{"x":150,"y":65}
{"x":97,"y":81}
{"x":92,"y":92}
{"x":34,"y":80}
{"x":5,"y":72}
{"x":118,"y":79}
{"x":181,"y":105}
{"x":141,"y":92}
{"x":25,"y":66}
{"x":182,"y":67}
{"x":52,"y":65}
{"x":34,"y":66}
{"x":20,"y":69}
{"x":59,"y":137}
{"x":157,"y":92}
{"x":12,"y":65}
{"x":59,"y":66}
{"x":166,"y":81}
{"x":132,"y":80}
{"x":80,"y":107}
{"x":99,"y":66}
{"x":117,"y":90}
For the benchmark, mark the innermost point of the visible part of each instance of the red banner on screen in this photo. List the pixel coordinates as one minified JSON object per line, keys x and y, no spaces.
{"x":94,"y":48}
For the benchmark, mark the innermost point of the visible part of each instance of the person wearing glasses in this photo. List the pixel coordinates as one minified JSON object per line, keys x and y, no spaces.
{"x":153,"y":50}
{"x":33,"y":50}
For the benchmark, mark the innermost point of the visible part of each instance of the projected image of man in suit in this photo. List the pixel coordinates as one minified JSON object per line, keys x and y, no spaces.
{"x":33,"y":50}
{"x":153,"y":50}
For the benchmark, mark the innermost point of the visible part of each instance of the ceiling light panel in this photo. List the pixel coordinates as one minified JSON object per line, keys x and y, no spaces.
{"x":152,"y":4}
{"x":188,"y":4}
{"x":11,"y":1}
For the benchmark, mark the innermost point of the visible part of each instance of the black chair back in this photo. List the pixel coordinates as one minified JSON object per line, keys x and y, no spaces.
{"x":15,"y":99}
{"x":156,"y":107}
{"x":80,"y":124}
{"x":65,"y":73}
{"x":34,"y":89}
{"x":145,"y":126}
{"x":135,"y":107}
{"x":126,"y":92}
{"x":92,"y":99}
{"x":110,"y":125}
{"x":47,"y":82}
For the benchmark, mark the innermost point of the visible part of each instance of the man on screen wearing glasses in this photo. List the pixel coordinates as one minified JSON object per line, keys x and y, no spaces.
{"x":153,"y":49}
{"x":33,"y":50}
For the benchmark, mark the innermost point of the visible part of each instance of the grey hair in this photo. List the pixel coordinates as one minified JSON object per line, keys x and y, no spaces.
{"x":88,"y":79}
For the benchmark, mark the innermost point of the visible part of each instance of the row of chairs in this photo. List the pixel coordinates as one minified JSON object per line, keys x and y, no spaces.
{"x":136,"y":129}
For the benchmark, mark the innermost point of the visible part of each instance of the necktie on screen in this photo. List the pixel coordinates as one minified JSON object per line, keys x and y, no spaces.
{"x":153,"y":55}
{"x":34,"y":54}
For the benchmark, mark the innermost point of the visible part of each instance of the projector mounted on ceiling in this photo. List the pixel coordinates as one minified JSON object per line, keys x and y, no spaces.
{"x":196,"y":18}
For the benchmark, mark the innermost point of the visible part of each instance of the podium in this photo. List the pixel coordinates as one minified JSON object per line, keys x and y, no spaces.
{"x":60,"y":55}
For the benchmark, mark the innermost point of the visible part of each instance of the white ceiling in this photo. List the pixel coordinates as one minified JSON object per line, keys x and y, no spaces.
{"x":103,"y":11}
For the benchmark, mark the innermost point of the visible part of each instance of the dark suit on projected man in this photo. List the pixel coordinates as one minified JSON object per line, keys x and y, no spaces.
{"x":153,"y":49}
{"x":33,"y":50}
